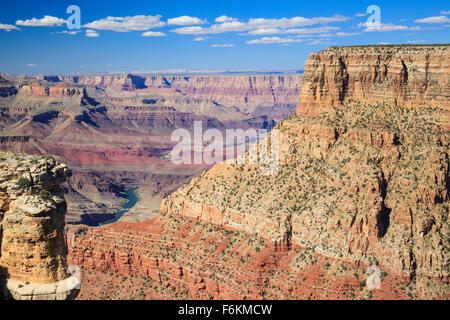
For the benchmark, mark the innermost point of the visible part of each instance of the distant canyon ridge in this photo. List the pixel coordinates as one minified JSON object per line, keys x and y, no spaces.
{"x":114,"y":131}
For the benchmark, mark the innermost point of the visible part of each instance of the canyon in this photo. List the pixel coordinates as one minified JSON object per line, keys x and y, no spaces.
{"x":114,"y":132}
{"x":362,"y":184}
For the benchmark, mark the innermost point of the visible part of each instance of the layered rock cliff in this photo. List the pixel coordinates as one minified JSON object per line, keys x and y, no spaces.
{"x":243,"y":91}
{"x":32,"y":220}
{"x":359,"y":182}
{"x":404,"y":76}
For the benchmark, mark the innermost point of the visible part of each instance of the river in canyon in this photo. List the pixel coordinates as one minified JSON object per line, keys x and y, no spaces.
{"x":132,"y":200}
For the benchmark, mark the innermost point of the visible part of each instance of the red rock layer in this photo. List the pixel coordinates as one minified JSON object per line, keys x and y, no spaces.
{"x":179,"y":258}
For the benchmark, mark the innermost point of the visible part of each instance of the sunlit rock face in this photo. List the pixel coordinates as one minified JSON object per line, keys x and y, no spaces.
{"x":32,"y":220}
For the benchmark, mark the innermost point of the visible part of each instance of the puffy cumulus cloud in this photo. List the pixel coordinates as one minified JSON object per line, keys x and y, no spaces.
{"x":274,"y":40}
{"x":200,"y":39}
{"x":445,"y":12}
{"x":383,"y":27}
{"x":153,"y":34}
{"x":125,"y":24}
{"x":185,"y":21}
{"x":431,"y":20}
{"x":46,"y":21}
{"x":8,"y":27}
{"x":225,"y":18}
{"x":222,"y":45}
{"x":267,"y":31}
{"x":258,"y":23}
{"x":91,"y":33}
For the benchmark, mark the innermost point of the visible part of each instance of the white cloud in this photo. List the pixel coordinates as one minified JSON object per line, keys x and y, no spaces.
{"x":46,"y":21}
{"x":315,"y":42}
{"x":200,"y":39}
{"x":348,"y":34}
{"x":416,"y":41}
{"x":299,"y":31}
{"x":185,"y":21}
{"x":384,"y":27}
{"x":310,"y":30}
{"x":260,"y":32}
{"x":225,"y":18}
{"x":91,"y":33}
{"x":222,"y":45}
{"x":31,"y":65}
{"x":425,"y":28}
{"x":273,"y":40}
{"x":360,"y":14}
{"x":153,"y":34}
{"x":125,"y":24}
{"x":258,"y":23}
{"x":8,"y":27}
{"x":438,"y":19}
{"x":67,"y":32}
{"x":445,"y":12}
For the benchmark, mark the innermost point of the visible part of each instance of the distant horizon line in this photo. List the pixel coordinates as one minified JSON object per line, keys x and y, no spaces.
{"x":165,"y":72}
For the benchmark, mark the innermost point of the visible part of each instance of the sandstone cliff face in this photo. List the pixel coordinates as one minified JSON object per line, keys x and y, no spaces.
{"x":401,"y":76}
{"x":32,"y":220}
{"x":59,"y":90}
{"x":242,"y":91}
{"x":360,"y":183}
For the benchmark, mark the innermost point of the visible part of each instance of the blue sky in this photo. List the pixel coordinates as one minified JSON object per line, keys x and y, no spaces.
{"x":202,"y":35}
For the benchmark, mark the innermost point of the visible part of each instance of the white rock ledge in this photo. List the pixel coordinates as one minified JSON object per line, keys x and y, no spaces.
{"x":62,"y":290}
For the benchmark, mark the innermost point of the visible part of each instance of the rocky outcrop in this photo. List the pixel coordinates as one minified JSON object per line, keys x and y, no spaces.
{"x":357,"y":182}
{"x":32,"y":219}
{"x":56,"y":91}
{"x":6,"y":88}
{"x":404,"y":76}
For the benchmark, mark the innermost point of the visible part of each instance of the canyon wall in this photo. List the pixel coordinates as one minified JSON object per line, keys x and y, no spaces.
{"x":356,"y":182}
{"x":32,"y":220}
{"x":403,"y":76}
{"x":238,"y":90}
